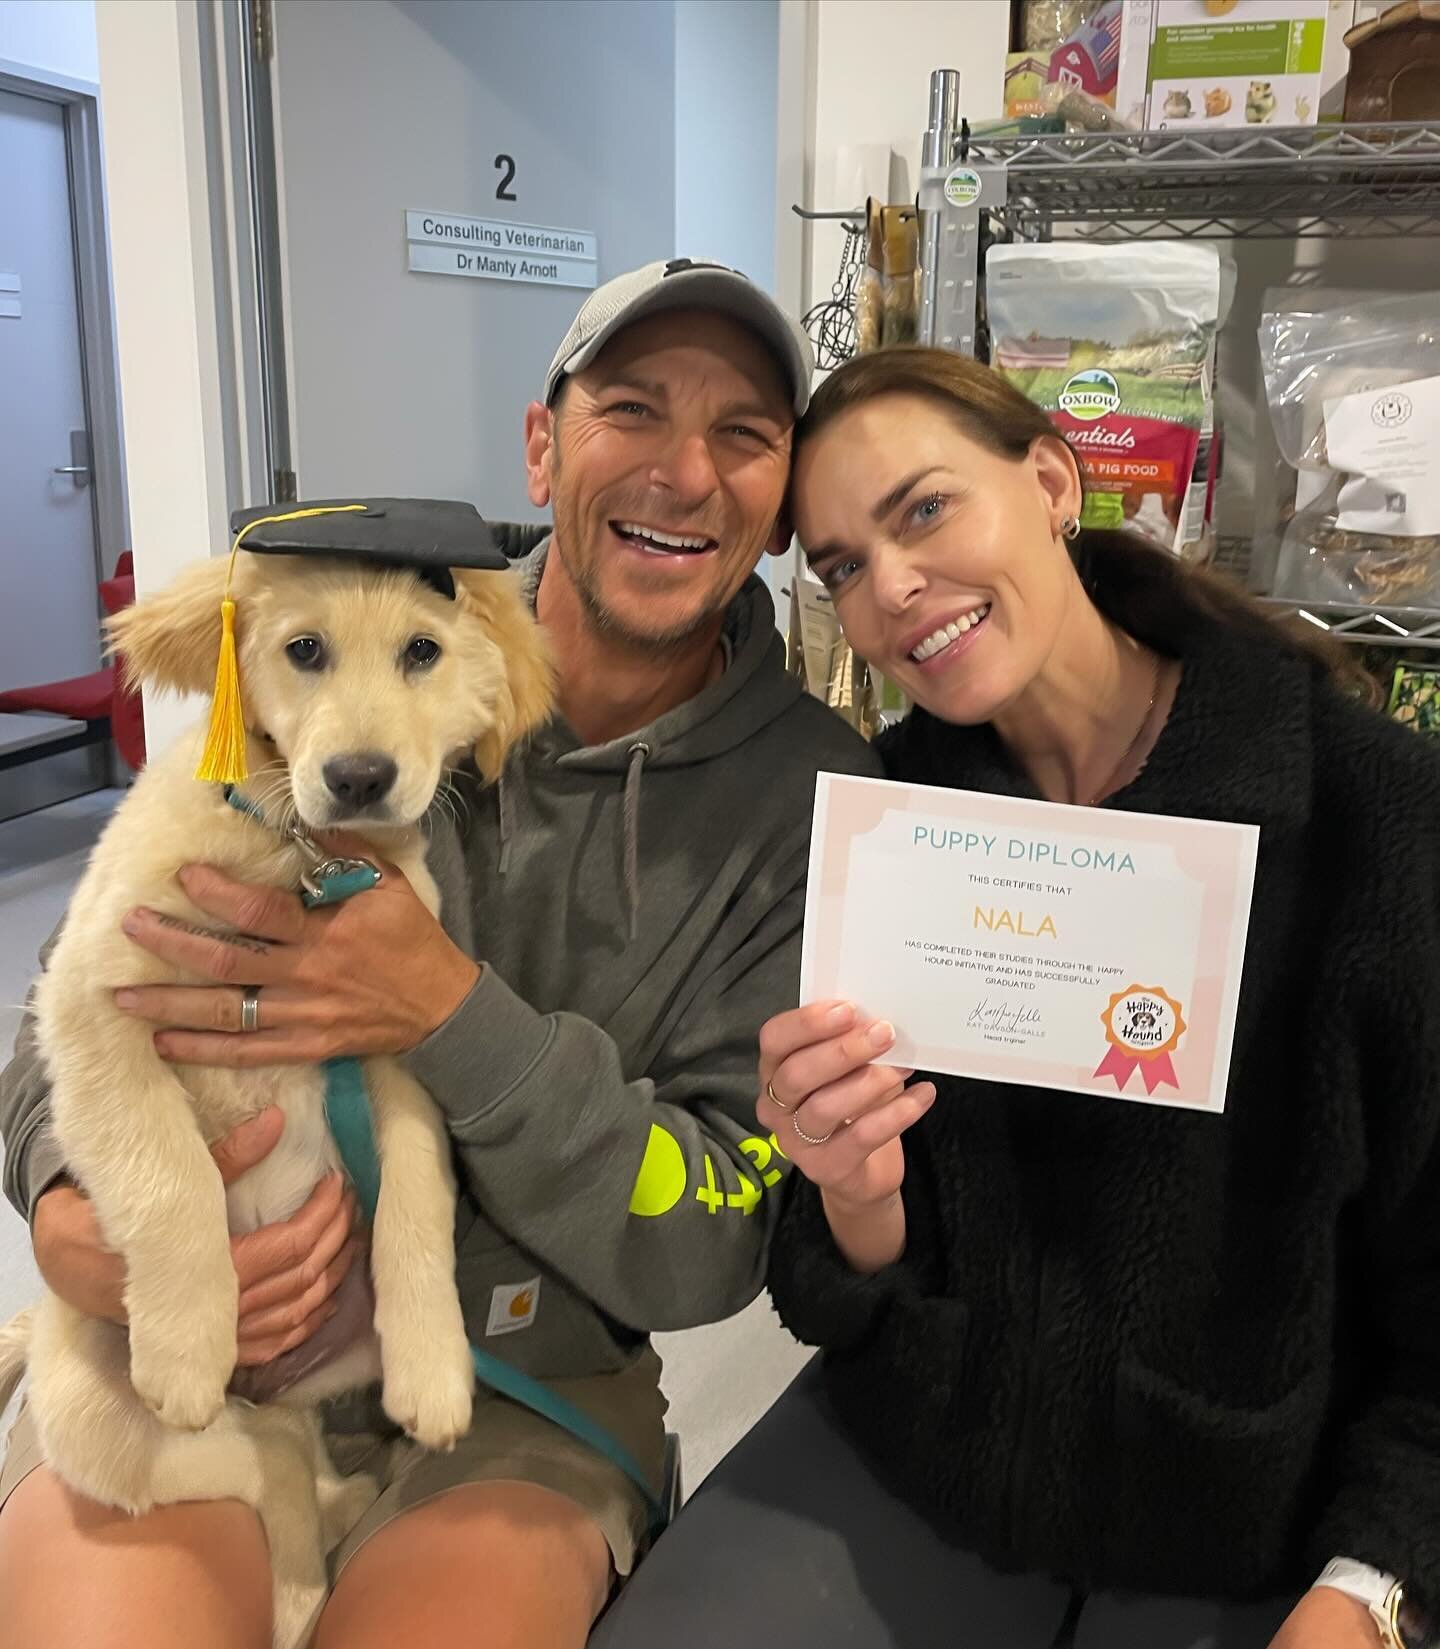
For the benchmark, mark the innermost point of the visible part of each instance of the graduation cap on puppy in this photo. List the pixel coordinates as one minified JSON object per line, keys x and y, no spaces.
{"x":429,"y":535}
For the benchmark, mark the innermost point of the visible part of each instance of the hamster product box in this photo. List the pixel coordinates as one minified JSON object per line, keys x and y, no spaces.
{"x":1213,"y":63}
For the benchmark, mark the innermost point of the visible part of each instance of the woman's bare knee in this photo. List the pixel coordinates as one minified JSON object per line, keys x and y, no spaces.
{"x":492,"y":1565}
{"x":193,"y":1576}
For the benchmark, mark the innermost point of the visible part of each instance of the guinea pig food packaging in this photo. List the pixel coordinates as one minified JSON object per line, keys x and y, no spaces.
{"x":1117,"y":344}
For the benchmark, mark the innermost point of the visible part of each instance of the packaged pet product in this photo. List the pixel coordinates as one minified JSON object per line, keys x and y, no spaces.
{"x":816,"y":651}
{"x":1216,"y":63}
{"x":1070,"y":43}
{"x":887,"y":304}
{"x":1415,"y":698}
{"x":1116,"y":343}
{"x":1353,"y":385}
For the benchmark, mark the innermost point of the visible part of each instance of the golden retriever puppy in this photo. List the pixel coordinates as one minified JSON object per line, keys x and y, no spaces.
{"x":146,"y":1416}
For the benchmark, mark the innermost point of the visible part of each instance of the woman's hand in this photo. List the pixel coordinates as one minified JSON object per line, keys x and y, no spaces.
{"x":1327,"y":1619}
{"x":288,"y":1272}
{"x":839,"y":1119}
{"x":376,"y":974}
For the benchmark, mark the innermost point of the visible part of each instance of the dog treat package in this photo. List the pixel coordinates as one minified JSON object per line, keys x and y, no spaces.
{"x":1117,"y":344}
{"x":1353,"y":385}
{"x":887,"y":303}
{"x":816,"y":651}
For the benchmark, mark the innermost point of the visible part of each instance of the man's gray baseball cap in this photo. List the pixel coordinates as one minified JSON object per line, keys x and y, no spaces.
{"x":684,"y":283}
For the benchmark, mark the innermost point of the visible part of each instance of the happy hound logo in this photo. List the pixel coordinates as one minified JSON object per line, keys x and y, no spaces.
{"x":1143,"y":1026}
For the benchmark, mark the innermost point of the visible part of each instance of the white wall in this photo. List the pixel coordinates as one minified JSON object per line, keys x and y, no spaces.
{"x":157,"y":194}
{"x":872,"y":78}
{"x":727,"y":96}
{"x":413,"y":383}
{"x":54,"y":35}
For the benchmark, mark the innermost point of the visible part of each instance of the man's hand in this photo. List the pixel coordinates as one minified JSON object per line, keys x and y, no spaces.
{"x":376,"y":974}
{"x":1327,"y":1619}
{"x":288,"y":1272}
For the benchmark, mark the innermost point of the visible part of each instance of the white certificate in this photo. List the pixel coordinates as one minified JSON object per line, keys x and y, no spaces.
{"x":1019,"y":941}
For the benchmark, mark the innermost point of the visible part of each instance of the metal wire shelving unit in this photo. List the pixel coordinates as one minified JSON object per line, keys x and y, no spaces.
{"x":1246,"y":183}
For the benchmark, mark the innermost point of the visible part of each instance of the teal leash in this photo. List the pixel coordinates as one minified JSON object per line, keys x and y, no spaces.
{"x":330,"y":881}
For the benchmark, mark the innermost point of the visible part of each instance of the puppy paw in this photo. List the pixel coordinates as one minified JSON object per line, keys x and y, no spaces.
{"x":184,"y":1404}
{"x":184,"y":1385}
{"x":430,"y":1396}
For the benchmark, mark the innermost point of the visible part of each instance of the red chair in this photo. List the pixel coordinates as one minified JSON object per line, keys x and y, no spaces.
{"x":99,"y":700}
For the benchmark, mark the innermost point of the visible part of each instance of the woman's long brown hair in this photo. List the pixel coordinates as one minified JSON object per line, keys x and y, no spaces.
{"x":1148,"y":591}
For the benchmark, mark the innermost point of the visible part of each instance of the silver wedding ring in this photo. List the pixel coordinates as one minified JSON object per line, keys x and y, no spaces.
{"x":250,"y":1008}
{"x":776,"y":1100}
{"x":809,"y":1139}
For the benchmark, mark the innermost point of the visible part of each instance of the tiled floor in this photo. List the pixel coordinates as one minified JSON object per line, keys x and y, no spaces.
{"x":719,"y":1379}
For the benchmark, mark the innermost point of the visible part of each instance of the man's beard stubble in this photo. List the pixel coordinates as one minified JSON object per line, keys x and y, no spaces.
{"x":606,"y":623}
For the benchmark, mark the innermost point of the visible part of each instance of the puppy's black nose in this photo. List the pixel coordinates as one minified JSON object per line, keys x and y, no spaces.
{"x":360,"y":780}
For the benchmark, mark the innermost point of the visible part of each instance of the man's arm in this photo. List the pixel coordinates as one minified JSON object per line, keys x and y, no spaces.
{"x":32,"y":1159}
{"x":653,"y":1196}
{"x":288,"y":1273}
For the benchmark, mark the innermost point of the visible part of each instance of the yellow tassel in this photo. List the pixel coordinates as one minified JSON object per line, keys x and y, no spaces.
{"x":223,"y":761}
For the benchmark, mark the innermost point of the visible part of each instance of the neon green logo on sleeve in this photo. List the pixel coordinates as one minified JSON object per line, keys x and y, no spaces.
{"x":660,"y":1184}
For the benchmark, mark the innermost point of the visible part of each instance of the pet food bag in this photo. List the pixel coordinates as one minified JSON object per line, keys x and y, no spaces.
{"x":1353,"y":384}
{"x":1117,"y":344}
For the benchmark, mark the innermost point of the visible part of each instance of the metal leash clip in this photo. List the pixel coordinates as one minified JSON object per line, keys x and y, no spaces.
{"x":329,"y":880}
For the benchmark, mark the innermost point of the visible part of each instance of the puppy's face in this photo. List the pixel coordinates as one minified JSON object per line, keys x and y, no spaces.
{"x":369,"y":683}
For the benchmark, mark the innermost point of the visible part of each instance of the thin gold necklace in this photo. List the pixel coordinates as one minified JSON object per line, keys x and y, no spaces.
{"x":1119,"y":767}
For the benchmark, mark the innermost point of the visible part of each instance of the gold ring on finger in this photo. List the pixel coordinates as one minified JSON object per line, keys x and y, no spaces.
{"x":809,"y":1139}
{"x":776,"y":1100}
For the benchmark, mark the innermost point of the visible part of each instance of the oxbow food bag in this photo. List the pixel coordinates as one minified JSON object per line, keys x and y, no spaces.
{"x":1117,"y":344}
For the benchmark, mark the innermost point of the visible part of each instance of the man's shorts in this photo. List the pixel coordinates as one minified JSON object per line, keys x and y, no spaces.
{"x":505,"y":1443}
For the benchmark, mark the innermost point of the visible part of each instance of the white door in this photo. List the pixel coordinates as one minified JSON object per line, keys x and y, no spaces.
{"x":49,"y":625}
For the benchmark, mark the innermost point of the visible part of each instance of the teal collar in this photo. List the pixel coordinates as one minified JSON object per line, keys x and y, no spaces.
{"x":325,"y":880}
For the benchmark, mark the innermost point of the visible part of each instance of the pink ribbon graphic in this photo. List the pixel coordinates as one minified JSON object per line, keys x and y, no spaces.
{"x":1153,"y":1072}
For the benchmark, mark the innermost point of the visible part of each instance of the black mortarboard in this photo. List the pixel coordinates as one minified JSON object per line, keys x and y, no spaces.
{"x":432,"y":535}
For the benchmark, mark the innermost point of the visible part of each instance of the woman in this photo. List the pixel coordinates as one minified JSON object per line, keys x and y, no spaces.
{"x":1152,"y":1354}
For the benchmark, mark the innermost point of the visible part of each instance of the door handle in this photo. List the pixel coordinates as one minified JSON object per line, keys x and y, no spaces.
{"x":78,"y":469}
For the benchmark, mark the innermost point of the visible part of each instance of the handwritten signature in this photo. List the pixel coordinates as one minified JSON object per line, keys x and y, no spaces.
{"x":989,"y":1016}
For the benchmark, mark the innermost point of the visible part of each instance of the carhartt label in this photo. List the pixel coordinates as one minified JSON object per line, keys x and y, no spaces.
{"x":513,"y":1306}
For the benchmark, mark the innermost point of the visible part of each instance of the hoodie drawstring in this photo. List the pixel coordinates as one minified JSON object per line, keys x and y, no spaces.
{"x":638,"y":752}
{"x":505,"y":808}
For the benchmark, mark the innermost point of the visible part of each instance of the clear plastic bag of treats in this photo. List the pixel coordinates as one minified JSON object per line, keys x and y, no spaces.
{"x":1353,"y":384}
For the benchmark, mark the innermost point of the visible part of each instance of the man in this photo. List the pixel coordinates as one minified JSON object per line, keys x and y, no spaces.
{"x":621,"y":912}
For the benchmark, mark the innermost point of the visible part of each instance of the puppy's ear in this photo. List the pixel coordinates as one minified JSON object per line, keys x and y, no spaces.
{"x":172,"y":639}
{"x":527,"y":692}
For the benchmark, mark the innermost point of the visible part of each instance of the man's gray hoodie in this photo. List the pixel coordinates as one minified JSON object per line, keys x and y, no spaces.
{"x":637,"y":908}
